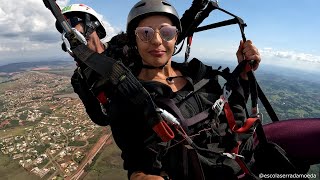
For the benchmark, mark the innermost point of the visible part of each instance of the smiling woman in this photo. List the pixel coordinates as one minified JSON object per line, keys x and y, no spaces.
{"x":153,"y":28}
{"x":165,"y":112}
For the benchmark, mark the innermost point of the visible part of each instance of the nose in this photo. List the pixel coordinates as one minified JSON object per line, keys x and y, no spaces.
{"x":156,"y":40}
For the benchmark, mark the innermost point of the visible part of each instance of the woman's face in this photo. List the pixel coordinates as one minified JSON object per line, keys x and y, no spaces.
{"x":155,"y":51}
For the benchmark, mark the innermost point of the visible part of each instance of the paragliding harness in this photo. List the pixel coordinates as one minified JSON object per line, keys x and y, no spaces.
{"x":268,"y":156}
{"x":107,"y":77}
{"x":194,"y":156}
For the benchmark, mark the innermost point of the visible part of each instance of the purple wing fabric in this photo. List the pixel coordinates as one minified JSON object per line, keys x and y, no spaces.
{"x":300,"y":138}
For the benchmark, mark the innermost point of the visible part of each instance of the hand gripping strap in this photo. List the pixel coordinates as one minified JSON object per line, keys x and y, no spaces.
{"x":99,"y":63}
{"x":125,"y":85}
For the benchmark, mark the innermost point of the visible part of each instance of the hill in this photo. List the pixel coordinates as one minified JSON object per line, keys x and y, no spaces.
{"x":25,"y":66}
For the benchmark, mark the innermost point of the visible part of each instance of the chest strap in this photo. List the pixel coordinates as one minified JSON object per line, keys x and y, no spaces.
{"x":197,"y":118}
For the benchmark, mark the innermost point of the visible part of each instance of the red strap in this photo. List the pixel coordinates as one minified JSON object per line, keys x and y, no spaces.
{"x":190,"y":40}
{"x":102,"y":98}
{"x":229,"y":116}
{"x":246,"y":126}
{"x":239,"y":161}
{"x":232,"y":123}
{"x":163,"y":131}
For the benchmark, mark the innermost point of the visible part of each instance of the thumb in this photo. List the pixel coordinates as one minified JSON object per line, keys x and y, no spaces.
{"x":239,"y":53}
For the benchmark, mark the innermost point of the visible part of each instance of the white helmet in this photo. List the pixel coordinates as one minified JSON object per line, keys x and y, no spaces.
{"x":80,"y":9}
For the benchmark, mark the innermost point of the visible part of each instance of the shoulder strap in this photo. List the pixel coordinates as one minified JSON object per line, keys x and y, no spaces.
{"x":196,"y":88}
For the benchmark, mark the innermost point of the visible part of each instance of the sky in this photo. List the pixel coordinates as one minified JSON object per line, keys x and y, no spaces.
{"x":286,"y":32}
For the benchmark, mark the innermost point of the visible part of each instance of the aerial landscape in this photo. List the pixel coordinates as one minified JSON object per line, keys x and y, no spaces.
{"x":46,"y":134}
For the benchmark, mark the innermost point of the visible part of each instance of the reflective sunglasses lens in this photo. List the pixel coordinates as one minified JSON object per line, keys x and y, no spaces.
{"x":145,"y":33}
{"x":167,"y":33}
{"x":74,"y":21}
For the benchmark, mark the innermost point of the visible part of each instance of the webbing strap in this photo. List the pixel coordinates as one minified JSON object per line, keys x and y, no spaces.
{"x":191,"y":160}
{"x":253,"y":91}
{"x":250,"y":122}
{"x":267,"y":105}
{"x":99,"y":63}
{"x":247,"y":125}
{"x":232,"y":123}
{"x":197,"y":118}
{"x":257,"y":92}
{"x":196,"y":88}
{"x":242,"y":165}
{"x":172,"y":107}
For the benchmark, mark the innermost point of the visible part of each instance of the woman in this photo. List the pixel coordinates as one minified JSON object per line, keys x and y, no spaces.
{"x":153,"y":27}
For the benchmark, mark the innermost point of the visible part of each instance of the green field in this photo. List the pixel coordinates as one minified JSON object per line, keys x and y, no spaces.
{"x":107,"y":165}
{"x":11,"y":170}
{"x":16,"y":131}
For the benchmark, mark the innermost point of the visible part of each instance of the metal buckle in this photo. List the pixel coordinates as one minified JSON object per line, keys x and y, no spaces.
{"x":78,"y":35}
{"x":67,"y":43}
{"x":219,"y":104}
{"x":232,"y":155}
{"x":103,"y":109}
{"x":168,"y":117}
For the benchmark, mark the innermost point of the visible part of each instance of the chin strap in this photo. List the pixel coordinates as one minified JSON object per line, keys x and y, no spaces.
{"x":153,"y":67}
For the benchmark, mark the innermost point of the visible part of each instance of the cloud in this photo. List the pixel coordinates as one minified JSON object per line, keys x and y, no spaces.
{"x":291,"y":59}
{"x":290,"y":55}
{"x":28,"y":28}
{"x":221,"y":51}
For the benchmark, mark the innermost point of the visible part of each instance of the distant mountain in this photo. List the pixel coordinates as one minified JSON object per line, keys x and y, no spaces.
{"x":23,"y":66}
{"x":277,"y":71}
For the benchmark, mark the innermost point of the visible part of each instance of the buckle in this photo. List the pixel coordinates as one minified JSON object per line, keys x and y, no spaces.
{"x":168,"y":117}
{"x":219,"y":104}
{"x":103,"y":109}
{"x":232,"y":155}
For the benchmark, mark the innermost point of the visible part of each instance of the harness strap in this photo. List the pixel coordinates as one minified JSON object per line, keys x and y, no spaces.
{"x":200,"y":84}
{"x":127,"y":86}
{"x":250,"y":122}
{"x":191,"y":160}
{"x":196,"y":88}
{"x":232,"y":123}
{"x":242,"y":165}
{"x":267,"y":105}
{"x":171,"y":106}
{"x":256,"y":89}
{"x":197,"y":118}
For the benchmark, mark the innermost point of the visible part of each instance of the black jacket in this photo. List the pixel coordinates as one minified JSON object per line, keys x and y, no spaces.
{"x":132,"y":133}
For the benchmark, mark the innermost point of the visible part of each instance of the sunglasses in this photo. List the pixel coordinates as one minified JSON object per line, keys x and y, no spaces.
{"x":73,"y":21}
{"x":167,"y":33}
